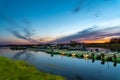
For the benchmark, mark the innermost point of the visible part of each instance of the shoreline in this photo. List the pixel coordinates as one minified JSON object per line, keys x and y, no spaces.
{"x":19,"y":70}
{"x":111,"y":56}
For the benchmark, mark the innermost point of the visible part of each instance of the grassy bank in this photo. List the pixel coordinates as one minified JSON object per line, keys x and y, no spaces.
{"x":19,"y":70}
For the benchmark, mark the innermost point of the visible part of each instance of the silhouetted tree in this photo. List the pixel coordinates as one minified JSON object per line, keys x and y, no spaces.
{"x":115,"y":40}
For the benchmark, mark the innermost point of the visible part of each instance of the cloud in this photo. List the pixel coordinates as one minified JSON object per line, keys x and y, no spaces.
{"x":92,"y":33}
{"x":19,"y":30}
{"x":89,"y":6}
{"x":25,"y":35}
{"x":22,"y":29}
{"x":79,"y":6}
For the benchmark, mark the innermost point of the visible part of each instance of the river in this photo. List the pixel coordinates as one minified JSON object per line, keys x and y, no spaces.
{"x":69,"y":67}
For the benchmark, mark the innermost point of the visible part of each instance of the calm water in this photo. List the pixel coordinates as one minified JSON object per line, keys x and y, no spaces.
{"x":71,"y":68}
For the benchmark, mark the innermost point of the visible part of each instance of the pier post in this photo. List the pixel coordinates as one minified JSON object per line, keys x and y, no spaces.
{"x":115,"y":60}
{"x":92,"y":56}
{"x":102,"y":58}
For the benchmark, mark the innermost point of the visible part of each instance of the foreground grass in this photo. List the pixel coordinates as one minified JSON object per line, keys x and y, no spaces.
{"x":19,"y":70}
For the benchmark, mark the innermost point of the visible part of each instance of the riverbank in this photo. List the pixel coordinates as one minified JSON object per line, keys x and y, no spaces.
{"x":104,"y":56}
{"x":19,"y":70}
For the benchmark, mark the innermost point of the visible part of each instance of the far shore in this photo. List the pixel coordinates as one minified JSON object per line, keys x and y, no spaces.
{"x":114,"y":46}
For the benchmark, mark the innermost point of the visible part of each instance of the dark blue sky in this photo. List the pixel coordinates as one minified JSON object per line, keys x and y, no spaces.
{"x":33,"y":21}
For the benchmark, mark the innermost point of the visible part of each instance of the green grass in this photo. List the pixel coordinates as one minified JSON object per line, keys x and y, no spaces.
{"x":19,"y":70}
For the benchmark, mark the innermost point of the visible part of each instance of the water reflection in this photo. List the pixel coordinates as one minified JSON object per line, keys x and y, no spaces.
{"x":23,"y":54}
{"x":78,"y":78}
{"x":18,"y":54}
{"x":103,"y":62}
{"x":28,"y":56}
{"x":52,"y":55}
{"x":93,"y":60}
{"x":115,"y":62}
{"x":72,"y":68}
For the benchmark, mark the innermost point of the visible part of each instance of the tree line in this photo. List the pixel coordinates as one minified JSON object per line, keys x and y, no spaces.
{"x":115,"y":40}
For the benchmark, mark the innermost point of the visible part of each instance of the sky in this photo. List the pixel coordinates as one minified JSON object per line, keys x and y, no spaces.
{"x":58,"y":21}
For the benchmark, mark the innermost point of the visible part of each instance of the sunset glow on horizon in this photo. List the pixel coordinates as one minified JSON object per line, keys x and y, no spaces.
{"x":97,"y":41}
{"x":58,"y":21}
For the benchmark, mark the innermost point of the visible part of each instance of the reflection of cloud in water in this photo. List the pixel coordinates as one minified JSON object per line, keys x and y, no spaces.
{"x":17,"y":55}
{"x":26,"y":54}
